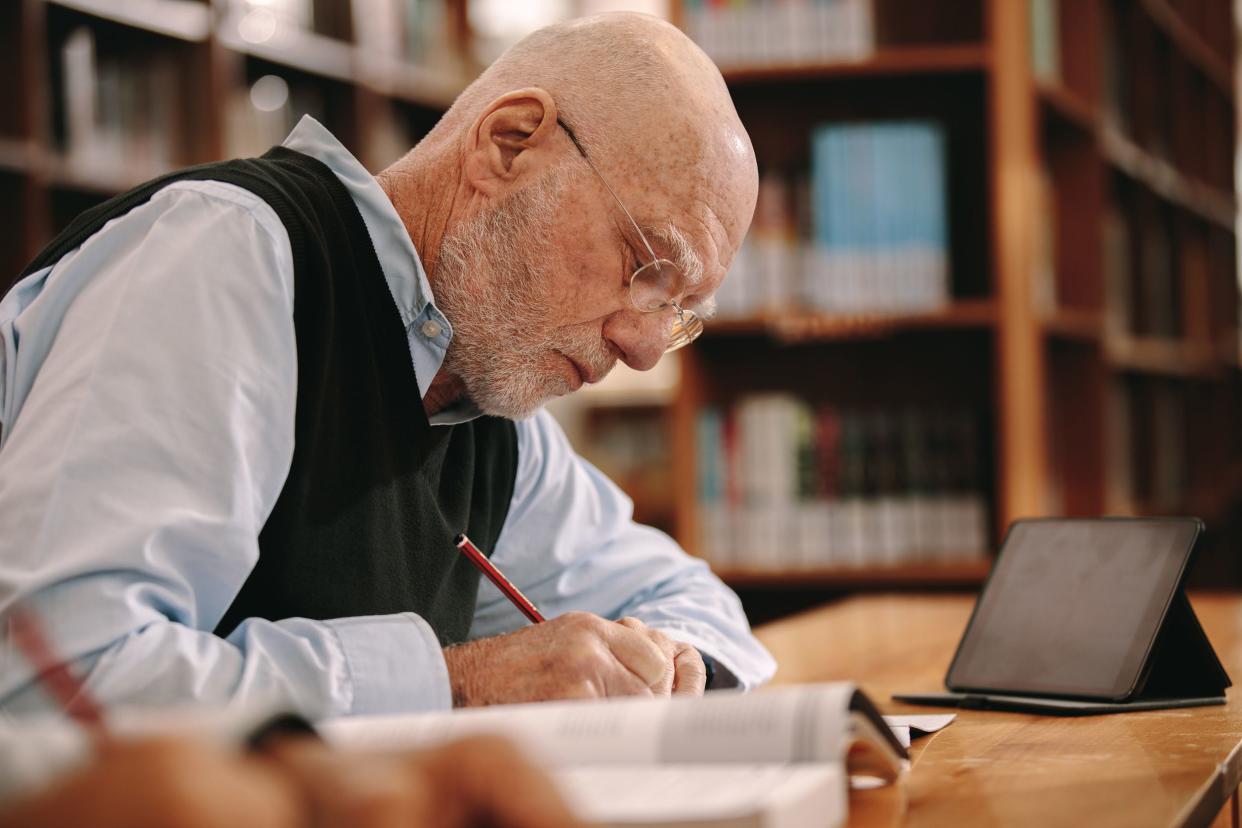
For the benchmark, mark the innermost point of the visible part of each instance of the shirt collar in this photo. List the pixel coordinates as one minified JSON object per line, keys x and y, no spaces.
{"x":403,"y":269}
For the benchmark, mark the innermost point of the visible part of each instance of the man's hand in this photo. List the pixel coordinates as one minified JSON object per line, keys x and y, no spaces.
{"x":482,"y":780}
{"x":163,"y":781}
{"x":295,"y":783}
{"x":573,"y":656}
{"x":684,"y":671}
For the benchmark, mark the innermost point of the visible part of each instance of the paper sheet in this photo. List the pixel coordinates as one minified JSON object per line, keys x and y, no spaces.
{"x":908,"y":728}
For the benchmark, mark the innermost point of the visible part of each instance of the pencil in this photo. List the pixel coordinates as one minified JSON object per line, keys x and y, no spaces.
{"x":53,"y":673}
{"x":497,"y":577}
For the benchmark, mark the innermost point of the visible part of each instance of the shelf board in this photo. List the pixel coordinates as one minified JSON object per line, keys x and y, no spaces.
{"x":1208,"y":203}
{"x":919,"y":60}
{"x":20,"y":156}
{"x":1074,"y":324}
{"x":971,"y":572}
{"x":1190,"y":44}
{"x":1068,"y":106}
{"x":807,"y":326}
{"x":419,"y":85}
{"x":295,"y":48}
{"x":1163,"y":357}
{"x":100,"y":178}
{"x":180,"y":19}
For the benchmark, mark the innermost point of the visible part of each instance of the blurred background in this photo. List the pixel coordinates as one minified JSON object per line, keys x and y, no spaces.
{"x":993,"y":270}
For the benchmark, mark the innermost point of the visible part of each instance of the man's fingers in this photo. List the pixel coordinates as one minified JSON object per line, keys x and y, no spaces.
{"x":640,"y":655}
{"x":489,"y":782}
{"x":691,"y":675}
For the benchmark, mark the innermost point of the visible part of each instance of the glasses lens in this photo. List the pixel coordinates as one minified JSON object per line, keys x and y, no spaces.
{"x":653,"y":287}
{"x":686,"y":328}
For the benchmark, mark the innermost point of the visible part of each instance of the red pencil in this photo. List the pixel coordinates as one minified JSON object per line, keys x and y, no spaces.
{"x":496,"y":577}
{"x":53,"y":673}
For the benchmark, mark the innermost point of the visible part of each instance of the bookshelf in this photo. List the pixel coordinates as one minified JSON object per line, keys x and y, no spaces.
{"x":1092,"y":316}
{"x":109,"y":93}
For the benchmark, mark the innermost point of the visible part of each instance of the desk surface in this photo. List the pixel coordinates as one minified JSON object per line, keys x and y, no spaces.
{"x":1169,"y":767}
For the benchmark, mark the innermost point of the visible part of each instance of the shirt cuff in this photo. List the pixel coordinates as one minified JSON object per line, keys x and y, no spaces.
{"x":744,"y":664}
{"x":395,"y":664}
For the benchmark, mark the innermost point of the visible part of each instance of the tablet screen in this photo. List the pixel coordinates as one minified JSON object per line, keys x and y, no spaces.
{"x":1072,"y":606}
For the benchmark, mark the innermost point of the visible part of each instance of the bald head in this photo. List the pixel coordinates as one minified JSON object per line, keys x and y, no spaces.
{"x":584,"y":152}
{"x":643,"y":99}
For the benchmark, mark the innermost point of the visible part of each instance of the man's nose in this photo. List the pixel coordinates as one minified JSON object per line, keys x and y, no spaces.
{"x":639,"y":337}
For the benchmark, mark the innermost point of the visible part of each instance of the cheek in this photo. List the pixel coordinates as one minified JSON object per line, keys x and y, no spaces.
{"x":585,"y":280}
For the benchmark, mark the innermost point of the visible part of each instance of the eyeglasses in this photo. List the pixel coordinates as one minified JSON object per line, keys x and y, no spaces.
{"x":654,"y":285}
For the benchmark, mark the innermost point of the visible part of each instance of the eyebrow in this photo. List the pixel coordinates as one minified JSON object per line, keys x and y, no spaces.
{"x":682,"y":254}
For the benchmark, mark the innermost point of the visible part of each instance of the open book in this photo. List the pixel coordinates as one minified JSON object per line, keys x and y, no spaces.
{"x":778,"y":757}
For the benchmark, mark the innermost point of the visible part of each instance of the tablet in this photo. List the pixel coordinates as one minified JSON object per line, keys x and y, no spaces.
{"x":1072,"y":607}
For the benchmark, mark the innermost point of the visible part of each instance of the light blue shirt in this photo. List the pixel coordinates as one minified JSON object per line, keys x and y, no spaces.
{"x":147,"y":392}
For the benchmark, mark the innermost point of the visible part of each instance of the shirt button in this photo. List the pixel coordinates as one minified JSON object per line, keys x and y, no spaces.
{"x":431,"y":329}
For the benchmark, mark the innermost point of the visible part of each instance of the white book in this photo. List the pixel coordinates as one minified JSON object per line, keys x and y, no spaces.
{"x":774,"y":758}
{"x":81,"y":119}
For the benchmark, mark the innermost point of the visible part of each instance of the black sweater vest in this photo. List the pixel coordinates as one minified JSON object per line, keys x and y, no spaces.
{"x":365,"y":522}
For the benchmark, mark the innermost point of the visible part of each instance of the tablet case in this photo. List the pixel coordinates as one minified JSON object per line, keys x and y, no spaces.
{"x":1181,"y":670}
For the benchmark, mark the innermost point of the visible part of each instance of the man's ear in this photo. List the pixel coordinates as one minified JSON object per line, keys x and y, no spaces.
{"x":510,"y":141}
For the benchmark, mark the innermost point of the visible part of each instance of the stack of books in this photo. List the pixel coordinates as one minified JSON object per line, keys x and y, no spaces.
{"x":784,"y":484}
{"x":766,"y":32}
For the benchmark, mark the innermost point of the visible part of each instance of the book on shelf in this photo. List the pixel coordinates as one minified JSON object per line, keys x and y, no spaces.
{"x":1116,"y":63}
{"x":1170,"y":473}
{"x":774,"y":758}
{"x":1044,"y":216}
{"x":1045,"y":40}
{"x":1119,"y":457}
{"x":1157,"y":308}
{"x":118,"y":110}
{"x":863,"y":231}
{"x":270,"y":21}
{"x":879,"y":223}
{"x":263,"y":113}
{"x":380,"y":28}
{"x":784,"y":485}
{"x":1117,"y":245}
{"x":774,"y":32}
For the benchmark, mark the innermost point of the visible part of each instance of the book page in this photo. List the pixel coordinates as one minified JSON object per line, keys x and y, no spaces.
{"x":804,"y":723}
{"x":794,"y":795}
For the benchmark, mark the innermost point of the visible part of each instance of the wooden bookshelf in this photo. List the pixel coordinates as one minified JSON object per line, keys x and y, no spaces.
{"x":914,"y":60}
{"x":1074,"y":324}
{"x":1063,"y":349}
{"x":183,"y":19}
{"x":1164,"y":357}
{"x":799,"y":326}
{"x":205,"y":56}
{"x":1061,"y":102}
{"x":966,"y":573}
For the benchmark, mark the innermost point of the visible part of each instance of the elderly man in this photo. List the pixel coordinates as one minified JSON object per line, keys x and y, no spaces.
{"x":247,"y":407}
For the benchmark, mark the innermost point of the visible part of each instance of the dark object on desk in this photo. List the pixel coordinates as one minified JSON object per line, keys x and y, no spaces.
{"x":1086,"y":616}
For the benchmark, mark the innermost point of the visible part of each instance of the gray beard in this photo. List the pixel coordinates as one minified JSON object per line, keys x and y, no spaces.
{"x":490,"y":287}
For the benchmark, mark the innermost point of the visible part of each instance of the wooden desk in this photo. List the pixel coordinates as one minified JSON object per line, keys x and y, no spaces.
{"x":1160,"y":768}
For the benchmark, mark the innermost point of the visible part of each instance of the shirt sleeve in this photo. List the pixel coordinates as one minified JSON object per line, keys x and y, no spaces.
{"x":570,"y":543}
{"x":148,"y":454}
